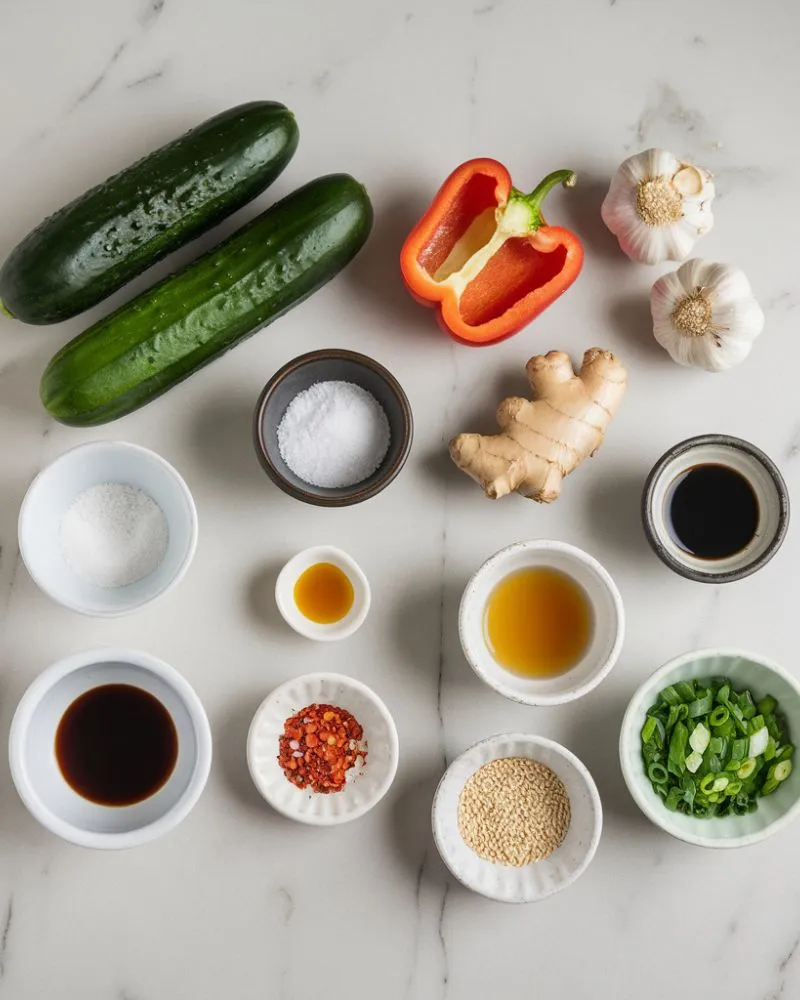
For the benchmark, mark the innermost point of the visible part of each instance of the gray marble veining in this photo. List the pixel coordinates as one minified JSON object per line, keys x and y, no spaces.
{"x":237,"y":902}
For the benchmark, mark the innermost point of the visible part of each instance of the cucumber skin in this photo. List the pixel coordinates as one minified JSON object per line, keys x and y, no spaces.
{"x":192,"y":317}
{"x":97,"y":243}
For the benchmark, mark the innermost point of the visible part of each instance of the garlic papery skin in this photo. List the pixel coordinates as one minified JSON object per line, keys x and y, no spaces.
{"x":657,"y":206}
{"x":705,"y":315}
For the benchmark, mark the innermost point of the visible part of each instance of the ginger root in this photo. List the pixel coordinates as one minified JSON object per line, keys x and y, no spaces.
{"x":543,"y":440}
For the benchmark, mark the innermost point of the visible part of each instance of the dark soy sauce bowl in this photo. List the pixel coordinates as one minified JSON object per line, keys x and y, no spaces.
{"x":324,"y":366}
{"x":766,"y":482}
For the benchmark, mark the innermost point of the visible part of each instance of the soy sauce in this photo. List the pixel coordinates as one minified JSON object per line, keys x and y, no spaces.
{"x":712,"y":511}
{"x":116,"y":745}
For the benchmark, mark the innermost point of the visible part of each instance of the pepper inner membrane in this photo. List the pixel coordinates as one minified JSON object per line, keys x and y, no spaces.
{"x":463,"y":229}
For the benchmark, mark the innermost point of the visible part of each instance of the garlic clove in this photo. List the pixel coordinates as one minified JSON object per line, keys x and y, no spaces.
{"x":657,"y":206}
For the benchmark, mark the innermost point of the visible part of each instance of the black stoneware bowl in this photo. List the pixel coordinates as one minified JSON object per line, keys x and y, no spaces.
{"x":767,"y":485}
{"x":323,"y":366}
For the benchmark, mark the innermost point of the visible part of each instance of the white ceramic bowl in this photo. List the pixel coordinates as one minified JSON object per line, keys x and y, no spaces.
{"x":749,"y":670}
{"x":38,"y":778}
{"x":364,"y":788}
{"x":608,"y":622}
{"x":535,"y":881}
{"x":284,"y":593}
{"x":54,"y":489}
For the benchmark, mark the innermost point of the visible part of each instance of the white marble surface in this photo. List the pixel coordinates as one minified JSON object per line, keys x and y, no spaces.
{"x":238,"y":902}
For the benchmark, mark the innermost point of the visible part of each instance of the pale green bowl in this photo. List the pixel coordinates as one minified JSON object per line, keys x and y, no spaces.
{"x":749,"y":670}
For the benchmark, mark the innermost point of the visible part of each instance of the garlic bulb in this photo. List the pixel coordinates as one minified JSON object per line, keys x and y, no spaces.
{"x":705,"y":316}
{"x":657,"y":206}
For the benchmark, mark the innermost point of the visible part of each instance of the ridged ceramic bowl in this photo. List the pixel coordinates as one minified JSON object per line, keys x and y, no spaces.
{"x":365,"y":787}
{"x":535,"y":881}
{"x":749,"y":670}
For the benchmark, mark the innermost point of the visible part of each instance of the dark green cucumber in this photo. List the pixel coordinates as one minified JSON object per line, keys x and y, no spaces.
{"x":98,"y":242}
{"x":170,"y":331}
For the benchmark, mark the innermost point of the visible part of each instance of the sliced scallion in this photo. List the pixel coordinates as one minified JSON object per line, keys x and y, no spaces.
{"x":719,"y":716}
{"x":693,"y":761}
{"x":700,"y":738}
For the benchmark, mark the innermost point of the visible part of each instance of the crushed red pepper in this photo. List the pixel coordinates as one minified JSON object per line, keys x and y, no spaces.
{"x":318,"y":747}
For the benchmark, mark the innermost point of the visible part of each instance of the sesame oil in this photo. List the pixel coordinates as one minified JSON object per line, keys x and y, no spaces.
{"x":538,"y":622}
{"x":323,"y":593}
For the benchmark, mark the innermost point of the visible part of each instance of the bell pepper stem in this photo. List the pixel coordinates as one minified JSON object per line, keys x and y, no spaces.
{"x":533,"y":201}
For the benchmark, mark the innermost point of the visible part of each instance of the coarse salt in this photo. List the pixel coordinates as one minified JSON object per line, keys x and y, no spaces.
{"x":113,"y":534}
{"x":333,"y":434}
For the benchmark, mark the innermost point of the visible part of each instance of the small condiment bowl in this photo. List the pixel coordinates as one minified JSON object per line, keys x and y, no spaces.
{"x":534,"y":881}
{"x":365,"y":786}
{"x":284,"y":594}
{"x":38,"y":778}
{"x":745,"y":670}
{"x":54,"y":489}
{"x":608,"y":629}
{"x":767,"y":483}
{"x":324,"y":366}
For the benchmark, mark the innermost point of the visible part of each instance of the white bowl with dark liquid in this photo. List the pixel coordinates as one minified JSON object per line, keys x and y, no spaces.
{"x":42,"y":784}
{"x":769,"y":491}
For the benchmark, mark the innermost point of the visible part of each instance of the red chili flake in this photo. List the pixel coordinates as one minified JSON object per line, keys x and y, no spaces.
{"x":327,"y":741}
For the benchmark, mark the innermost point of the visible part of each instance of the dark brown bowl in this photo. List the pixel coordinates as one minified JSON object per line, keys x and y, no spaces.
{"x":323,"y":366}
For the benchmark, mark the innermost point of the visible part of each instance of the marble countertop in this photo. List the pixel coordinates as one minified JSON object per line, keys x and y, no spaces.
{"x":238,"y":902}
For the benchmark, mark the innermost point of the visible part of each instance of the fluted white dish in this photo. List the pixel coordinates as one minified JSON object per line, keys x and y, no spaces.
{"x":365,"y":786}
{"x":745,"y":670}
{"x":543,"y":878}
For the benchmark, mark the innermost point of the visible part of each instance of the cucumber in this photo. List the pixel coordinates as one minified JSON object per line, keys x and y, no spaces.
{"x":181,"y":324}
{"x":98,"y":242}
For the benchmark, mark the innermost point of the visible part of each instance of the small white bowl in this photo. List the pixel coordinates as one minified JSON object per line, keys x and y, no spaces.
{"x":364,"y":787}
{"x":38,"y":778}
{"x":608,"y":630}
{"x":748,"y":670}
{"x":54,"y":489}
{"x":284,"y":593}
{"x":535,"y":881}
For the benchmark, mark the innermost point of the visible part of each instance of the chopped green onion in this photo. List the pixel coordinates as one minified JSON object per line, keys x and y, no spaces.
{"x":657,"y":773}
{"x":670,"y":696}
{"x":739,"y":749}
{"x":710,"y":750}
{"x":767,"y":705}
{"x":648,"y":729}
{"x":702,"y":705}
{"x":747,"y":768}
{"x":782,"y":770}
{"x":758,"y":742}
{"x":719,"y":716}
{"x":693,"y":761}
{"x":700,"y":738}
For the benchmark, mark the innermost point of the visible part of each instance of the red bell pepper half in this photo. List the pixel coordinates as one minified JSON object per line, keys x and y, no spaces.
{"x":483,"y":256}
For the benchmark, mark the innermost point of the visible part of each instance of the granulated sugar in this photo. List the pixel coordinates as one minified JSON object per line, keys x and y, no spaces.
{"x":333,"y":434}
{"x":113,"y":534}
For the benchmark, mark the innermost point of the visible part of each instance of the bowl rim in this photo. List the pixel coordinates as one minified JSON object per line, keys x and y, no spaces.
{"x":334,"y":630}
{"x":628,"y":733}
{"x":535,"y":740}
{"x":573,"y":693}
{"x":31,"y":699}
{"x":356,"y":495}
{"x":649,"y":519}
{"x":315,"y":678}
{"x":170,"y":584}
